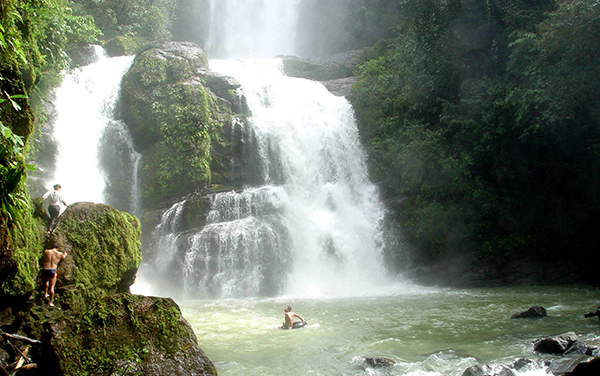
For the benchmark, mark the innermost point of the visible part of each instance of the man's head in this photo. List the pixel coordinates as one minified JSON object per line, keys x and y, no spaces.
{"x":52,"y":245}
{"x":57,"y":187}
{"x":287,"y":309}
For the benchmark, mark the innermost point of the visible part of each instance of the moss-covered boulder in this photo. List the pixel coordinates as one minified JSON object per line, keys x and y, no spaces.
{"x":103,"y":248}
{"x":96,"y":326}
{"x":185,"y":122}
{"x":168,"y":112}
{"x":129,"y":334}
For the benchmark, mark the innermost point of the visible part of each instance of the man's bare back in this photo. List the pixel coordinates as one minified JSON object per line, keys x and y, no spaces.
{"x":51,"y":257}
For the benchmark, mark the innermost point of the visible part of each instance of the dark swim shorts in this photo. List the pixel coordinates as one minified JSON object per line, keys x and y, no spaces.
{"x":48,"y":273}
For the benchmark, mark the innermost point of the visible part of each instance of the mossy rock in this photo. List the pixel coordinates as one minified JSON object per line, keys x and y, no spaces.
{"x":122,"y":45}
{"x":103,"y":248}
{"x":21,"y":244}
{"x":170,"y":117}
{"x":131,"y":334}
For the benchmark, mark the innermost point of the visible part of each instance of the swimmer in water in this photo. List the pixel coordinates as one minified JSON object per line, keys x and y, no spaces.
{"x":289,"y":319}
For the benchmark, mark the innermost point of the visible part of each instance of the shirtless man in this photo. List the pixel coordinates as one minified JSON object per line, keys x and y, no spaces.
{"x":289,"y":319}
{"x":50,"y":260}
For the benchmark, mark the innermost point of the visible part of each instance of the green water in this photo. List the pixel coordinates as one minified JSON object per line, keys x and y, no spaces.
{"x":427,"y":331}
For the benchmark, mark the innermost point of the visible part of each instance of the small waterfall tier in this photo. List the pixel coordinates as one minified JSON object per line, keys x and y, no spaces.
{"x":313,"y":228}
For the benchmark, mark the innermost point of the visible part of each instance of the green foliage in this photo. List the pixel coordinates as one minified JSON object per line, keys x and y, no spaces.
{"x":152,"y":20}
{"x":20,"y":269}
{"x":182,"y":153}
{"x":492,"y":142}
{"x":36,"y":35}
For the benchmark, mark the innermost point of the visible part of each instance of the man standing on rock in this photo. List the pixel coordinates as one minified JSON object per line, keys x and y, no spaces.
{"x":51,"y":257}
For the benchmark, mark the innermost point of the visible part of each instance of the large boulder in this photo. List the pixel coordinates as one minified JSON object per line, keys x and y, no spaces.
{"x":103,"y":248}
{"x":182,"y":120}
{"x":135,"y":335}
{"x":97,"y":327}
{"x":567,"y":343}
{"x":591,"y":367}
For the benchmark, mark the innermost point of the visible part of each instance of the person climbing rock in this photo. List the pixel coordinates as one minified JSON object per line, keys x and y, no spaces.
{"x":51,"y":257}
{"x":52,"y":201}
{"x":289,"y":319}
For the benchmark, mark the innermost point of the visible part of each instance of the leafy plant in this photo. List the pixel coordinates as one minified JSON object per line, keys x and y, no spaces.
{"x":12,"y":167}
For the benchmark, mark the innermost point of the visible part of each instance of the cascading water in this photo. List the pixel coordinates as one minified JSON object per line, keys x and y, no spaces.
{"x":84,"y":105}
{"x":314,"y":228}
{"x":252,"y":28}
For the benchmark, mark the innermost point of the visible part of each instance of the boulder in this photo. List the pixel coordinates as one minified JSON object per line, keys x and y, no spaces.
{"x":82,"y":55}
{"x":103,"y":253}
{"x":567,"y":343}
{"x":564,"y":365}
{"x":97,"y":327}
{"x":125,"y":332}
{"x":326,"y":68}
{"x":533,"y":312}
{"x":378,"y":362}
{"x":591,"y":367}
{"x":489,"y":370}
{"x":182,"y":120}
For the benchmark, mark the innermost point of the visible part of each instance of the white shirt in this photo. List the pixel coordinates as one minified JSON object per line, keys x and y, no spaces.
{"x":55,"y":197}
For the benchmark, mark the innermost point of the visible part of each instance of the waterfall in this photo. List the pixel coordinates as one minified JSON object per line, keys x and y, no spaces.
{"x":84,"y":106}
{"x":314,"y":228}
{"x":252,"y":28}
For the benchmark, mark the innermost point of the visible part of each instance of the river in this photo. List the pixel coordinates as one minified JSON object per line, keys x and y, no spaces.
{"x":426,"y":331}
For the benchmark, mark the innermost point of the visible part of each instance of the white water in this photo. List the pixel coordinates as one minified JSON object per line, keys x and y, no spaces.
{"x":85,"y":104}
{"x":316,"y":222}
{"x":252,"y":28}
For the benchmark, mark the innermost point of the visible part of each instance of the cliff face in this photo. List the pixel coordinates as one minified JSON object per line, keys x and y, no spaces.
{"x":96,"y":326}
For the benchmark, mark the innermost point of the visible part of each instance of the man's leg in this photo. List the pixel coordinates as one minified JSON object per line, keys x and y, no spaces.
{"x":52,"y":282}
{"x":54,"y":213}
